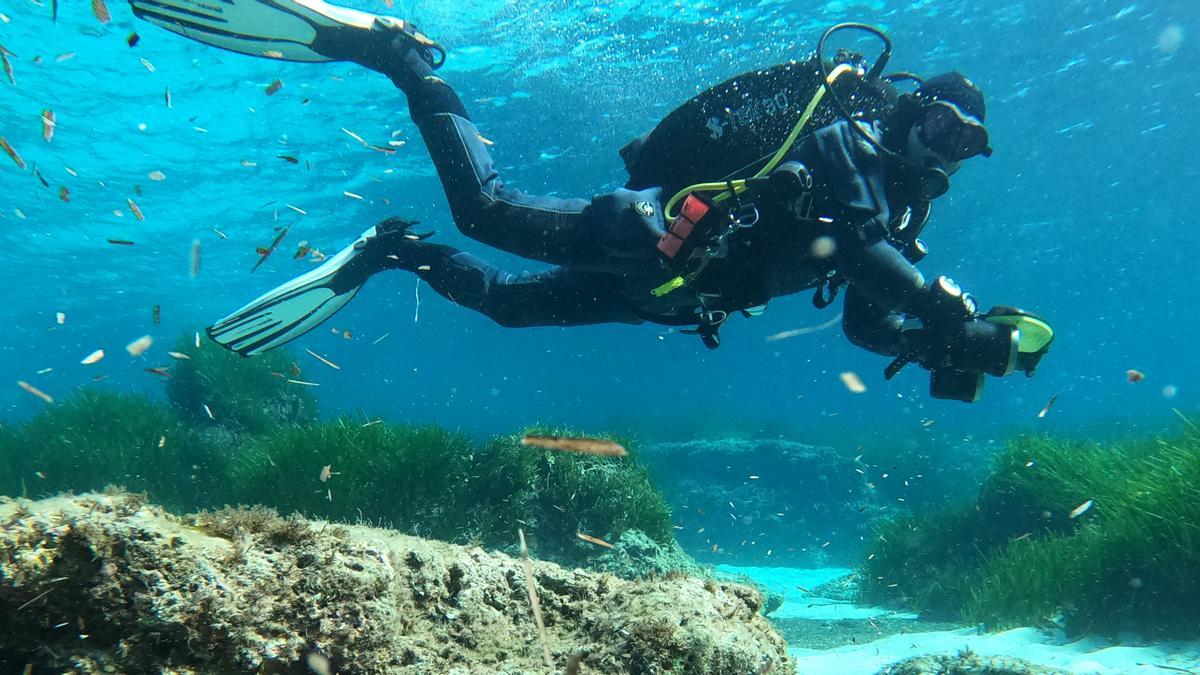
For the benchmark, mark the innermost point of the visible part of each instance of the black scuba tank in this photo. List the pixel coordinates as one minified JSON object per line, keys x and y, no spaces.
{"x":731,"y":129}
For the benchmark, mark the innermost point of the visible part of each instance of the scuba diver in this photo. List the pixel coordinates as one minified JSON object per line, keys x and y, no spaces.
{"x":812,"y":175}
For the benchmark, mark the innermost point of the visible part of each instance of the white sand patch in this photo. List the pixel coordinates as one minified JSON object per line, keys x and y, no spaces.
{"x":799,"y":603}
{"x":1090,"y":657}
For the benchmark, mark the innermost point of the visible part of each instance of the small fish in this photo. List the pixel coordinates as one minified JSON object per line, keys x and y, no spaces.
{"x":265,"y":253}
{"x":156,"y":176}
{"x":289,"y":159}
{"x":326,"y":472}
{"x":133,"y":39}
{"x":101,"y":11}
{"x":180,"y":356}
{"x":12,"y":152}
{"x":1081,"y":509}
{"x":134,"y":208}
{"x":1134,"y":375}
{"x":94,"y":357}
{"x":322,"y":359}
{"x":161,"y":371}
{"x":156,"y":314}
{"x":139,"y":346}
{"x":853,"y":382}
{"x":48,"y":124}
{"x":593,"y":540}
{"x":167,"y":98}
{"x":118,"y":242}
{"x":35,"y":391}
{"x":1049,"y":404}
{"x":586,"y":446}
{"x":274,"y":87}
{"x":208,"y":411}
{"x":99,"y":378}
{"x":194,"y":259}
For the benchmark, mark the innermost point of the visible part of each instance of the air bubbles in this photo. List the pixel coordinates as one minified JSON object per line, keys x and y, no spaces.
{"x":1170,"y":391}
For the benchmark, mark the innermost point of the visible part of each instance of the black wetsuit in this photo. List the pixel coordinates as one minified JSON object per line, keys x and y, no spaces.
{"x":604,"y":250}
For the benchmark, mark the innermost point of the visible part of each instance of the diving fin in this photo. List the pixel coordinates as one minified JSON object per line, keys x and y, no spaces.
{"x":288,"y":30}
{"x":292,"y":309}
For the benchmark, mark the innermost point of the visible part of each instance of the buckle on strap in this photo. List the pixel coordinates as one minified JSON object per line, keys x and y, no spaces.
{"x":708,"y":328}
{"x":827,"y":290}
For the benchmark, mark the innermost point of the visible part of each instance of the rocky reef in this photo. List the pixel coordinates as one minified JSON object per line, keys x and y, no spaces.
{"x":109,"y":583}
{"x":770,"y":501}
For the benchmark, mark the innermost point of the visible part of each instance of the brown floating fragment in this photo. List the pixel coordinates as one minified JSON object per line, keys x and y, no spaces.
{"x":48,"y":124}
{"x":12,"y":152}
{"x":136,"y":211}
{"x":274,"y":87}
{"x":289,"y":159}
{"x":133,"y":39}
{"x":8,"y":70}
{"x":35,"y":391}
{"x":118,"y":242}
{"x":593,"y":540}
{"x":101,"y":11}
{"x":585,"y":446}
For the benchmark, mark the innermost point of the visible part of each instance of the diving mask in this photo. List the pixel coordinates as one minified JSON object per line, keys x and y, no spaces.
{"x":952,"y":134}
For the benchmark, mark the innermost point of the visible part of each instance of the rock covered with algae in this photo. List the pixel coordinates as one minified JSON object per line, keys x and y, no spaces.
{"x":109,"y":583}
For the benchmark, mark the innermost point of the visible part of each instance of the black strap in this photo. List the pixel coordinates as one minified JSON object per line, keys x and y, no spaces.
{"x":827,"y":291}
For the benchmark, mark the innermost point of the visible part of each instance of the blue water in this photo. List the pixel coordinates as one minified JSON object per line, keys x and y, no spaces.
{"x":1083,"y":215}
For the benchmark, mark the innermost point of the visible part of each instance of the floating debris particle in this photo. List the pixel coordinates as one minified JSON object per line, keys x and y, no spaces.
{"x":139,"y":346}
{"x":531,"y":589}
{"x":347,"y":335}
{"x":1046,"y":408}
{"x":118,"y":242}
{"x":318,"y":663}
{"x":101,"y":11}
{"x":853,"y":382}
{"x":326,"y":472}
{"x":8,"y":69}
{"x":301,"y":251}
{"x":220,"y":233}
{"x":796,"y":332}
{"x":149,"y":66}
{"x":381,"y":338}
{"x":197,"y":334}
{"x":352,"y":195}
{"x":12,"y":152}
{"x":1081,"y":509}
{"x":322,"y":359}
{"x":60,"y":318}
{"x":35,"y":391}
{"x":289,"y":159}
{"x":249,"y":164}
{"x":194,"y":259}
{"x":593,"y":540}
{"x":133,"y":39}
{"x":585,"y":446}
{"x":156,"y":314}
{"x":208,"y":411}
{"x":1134,"y":375}
{"x":484,"y":140}
{"x":48,"y":124}
{"x":304,"y":383}
{"x":167,"y":97}
{"x":161,"y":371}
{"x":297,"y":209}
{"x":162,"y":441}
{"x":274,"y":87}
{"x":370,"y":424}
{"x":65,"y":56}
{"x":353,"y":135}
{"x":137,"y":212}
{"x":156,"y":175}
{"x":265,"y":253}
{"x":94,"y":357}
{"x":179,"y":356}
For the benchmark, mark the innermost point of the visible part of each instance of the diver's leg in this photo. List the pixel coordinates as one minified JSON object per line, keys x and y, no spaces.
{"x":555,"y":297}
{"x":538,"y":227}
